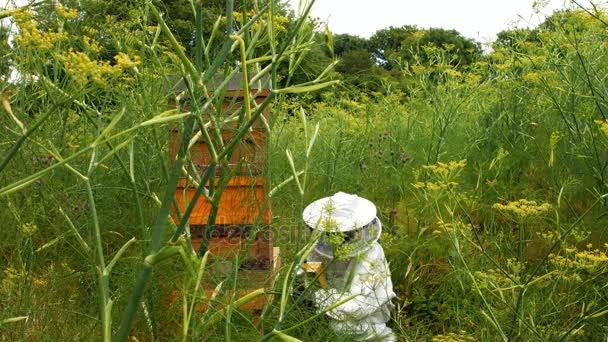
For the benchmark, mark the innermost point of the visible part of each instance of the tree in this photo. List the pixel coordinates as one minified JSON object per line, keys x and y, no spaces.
{"x":514,"y":38}
{"x":463,"y":51}
{"x":344,"y":43}
{"x":386,"y":44}
{"x":180,"y":18}
{"x":409,"y":44}
{"x":355,"y":62}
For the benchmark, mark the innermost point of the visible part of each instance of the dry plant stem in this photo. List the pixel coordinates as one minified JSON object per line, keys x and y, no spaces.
{"x":13,"y":320}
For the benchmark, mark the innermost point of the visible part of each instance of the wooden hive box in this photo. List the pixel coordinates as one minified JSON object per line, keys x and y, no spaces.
{"x":250,"y":153}
{"x":240,"y":205}
{"x":243,"y":197}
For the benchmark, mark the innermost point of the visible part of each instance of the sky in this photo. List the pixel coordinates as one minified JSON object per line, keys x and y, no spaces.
{"x":480,"y":20}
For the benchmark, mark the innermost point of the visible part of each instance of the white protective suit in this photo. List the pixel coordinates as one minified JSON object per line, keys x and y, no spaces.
{"x":364,"y":273}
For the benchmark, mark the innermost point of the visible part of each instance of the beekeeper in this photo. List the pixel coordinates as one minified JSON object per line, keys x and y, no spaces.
{"x":355,"y":270}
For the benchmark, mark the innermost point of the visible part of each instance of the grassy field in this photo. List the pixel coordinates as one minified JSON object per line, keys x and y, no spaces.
{"x":491,"y":182}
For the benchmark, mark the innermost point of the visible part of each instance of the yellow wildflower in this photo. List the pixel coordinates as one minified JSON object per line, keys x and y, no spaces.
{"x":66,"y":13}
{"x":523,"y":208}
{"x":501,"y":66}
{"x":434,"y":186}
{"x":445,"y":169}
{"x":418,"y":68}
{"x":453,"y":227}
{"x":532,"y":76}
{"x":92,"y":44}
{"x":84,"y":70}
{"x":574,"y":260}
{"x":452,"y":72}
{"x":28,"y":229}
{"x":280,"y":22}
{"x":39,"y":282}
{"x":461,"y":336}
{"x":90,"y":30}
{"x":548,"y":236}
{"x":603,"y":125}
{"x":11,"y":275}
{"x":30,"y":36}
{"x":124,"y":61}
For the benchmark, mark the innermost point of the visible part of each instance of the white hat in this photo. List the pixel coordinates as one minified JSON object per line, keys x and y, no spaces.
{"x":341,"y":212}
{"x":346,"y":214}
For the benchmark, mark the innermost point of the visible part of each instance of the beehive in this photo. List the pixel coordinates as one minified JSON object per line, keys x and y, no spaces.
{"x":242,"y":203}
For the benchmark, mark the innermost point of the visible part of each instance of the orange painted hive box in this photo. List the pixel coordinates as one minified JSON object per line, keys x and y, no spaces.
{"x":241,"y":202}
{"x":249,"y":154}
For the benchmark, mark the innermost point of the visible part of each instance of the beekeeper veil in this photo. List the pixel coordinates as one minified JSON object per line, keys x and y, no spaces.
{"x":347,"y":225}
